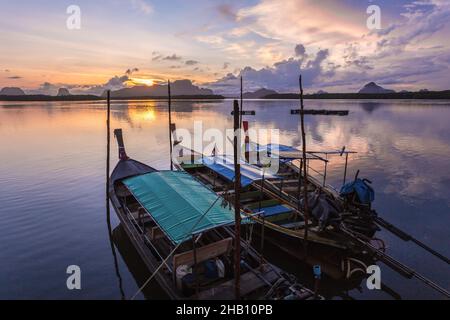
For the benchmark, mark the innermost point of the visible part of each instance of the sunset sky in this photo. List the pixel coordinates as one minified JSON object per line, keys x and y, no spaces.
{"x":128,"y":42}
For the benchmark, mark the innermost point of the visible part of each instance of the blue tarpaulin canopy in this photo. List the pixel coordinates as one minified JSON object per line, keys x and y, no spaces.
{"x":282,"y":152}
{"x":177,"y":203}
{"x":224,"y":166}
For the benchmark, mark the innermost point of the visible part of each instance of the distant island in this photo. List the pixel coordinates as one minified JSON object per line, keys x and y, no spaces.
{"x":63,"y":92}
{"x":373,"y":88}
{"x":258,"y":94}
{"x":186,"y":90}
{"x":180,"y":89}
{"x":369,"y":91}
{"x":12,"y":91}
{"x":42,"y":97}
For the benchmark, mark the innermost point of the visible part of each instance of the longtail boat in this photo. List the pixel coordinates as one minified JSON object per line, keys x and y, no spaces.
{"x":274,"y":204}
{"x":181,"y":231}
{"x":341,"y":234}
{"x":340,"y":237}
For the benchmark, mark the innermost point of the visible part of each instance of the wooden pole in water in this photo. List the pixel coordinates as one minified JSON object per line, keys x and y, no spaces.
{"x":242,"y":103}
{"x":194,"y":267}
{"x":108,"y":148}
{"x":170,"y":124}
{"x":108,"y":211}
{"x":305,"y":177}
{"x":237,"y":210}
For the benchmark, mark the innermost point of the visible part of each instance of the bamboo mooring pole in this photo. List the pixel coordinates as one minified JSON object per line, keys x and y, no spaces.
{"x":170,"y":124}
{"x":108,"y":211}
{"x":237,"y":210}
{"x":242,"y":103}
{"x":305,"y":176}
{"x":108,"y":149}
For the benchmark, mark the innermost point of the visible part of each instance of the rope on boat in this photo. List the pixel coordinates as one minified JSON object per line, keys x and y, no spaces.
{"x":173,"y":251}
{"x":350,"y":272}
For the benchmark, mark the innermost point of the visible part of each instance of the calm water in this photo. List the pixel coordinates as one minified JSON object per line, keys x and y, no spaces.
{"x":52,"y":173}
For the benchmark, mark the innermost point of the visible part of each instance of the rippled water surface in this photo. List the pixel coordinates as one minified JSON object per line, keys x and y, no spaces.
{"x":52,"y":181}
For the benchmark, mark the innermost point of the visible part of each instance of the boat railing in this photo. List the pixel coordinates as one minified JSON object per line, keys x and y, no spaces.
{"x":130,"y":217}
{"x":325,"y":160}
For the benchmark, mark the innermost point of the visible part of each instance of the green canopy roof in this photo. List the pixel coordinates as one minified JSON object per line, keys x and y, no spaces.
{"x":177,"y":202}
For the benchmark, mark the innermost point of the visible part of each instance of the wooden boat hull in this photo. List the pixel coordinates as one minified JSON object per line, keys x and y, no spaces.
{"x":339,"y":256}
{"x":143,"y":250}
{"x":334,"y":263}
{"x":255,"y":282}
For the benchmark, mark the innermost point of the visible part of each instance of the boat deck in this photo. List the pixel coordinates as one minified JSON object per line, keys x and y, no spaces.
{"x":251,"y":281}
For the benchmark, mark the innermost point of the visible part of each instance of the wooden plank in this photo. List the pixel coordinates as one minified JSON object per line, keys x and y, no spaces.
{"x":213,"y":182}
{"x":204,"y":253}
{"x":145,"y":216}
{"x":249,"y":282}
{"x":250,"y":194}
{"x":264,"y":204}
{"x":298,"y":224}
{"x":295,"y":189}
{"x":285,"y":182}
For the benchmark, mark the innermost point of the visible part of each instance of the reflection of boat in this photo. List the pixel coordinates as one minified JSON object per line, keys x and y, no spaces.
{"x":273,"y":202}
{"x":179,"y":228}
{"x":136,"y":265}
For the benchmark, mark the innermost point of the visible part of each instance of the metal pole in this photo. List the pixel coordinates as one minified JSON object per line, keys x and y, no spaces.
{"x":170,"y":125}
{"x":237,"y":211}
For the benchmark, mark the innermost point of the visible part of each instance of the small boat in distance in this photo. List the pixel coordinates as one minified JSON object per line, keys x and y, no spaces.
{"x":181,"y":231}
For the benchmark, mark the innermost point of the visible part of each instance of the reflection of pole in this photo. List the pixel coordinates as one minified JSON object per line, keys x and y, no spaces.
{"x":305,"y":176}
{"x":170,"y":125}
{"x":237,"y":211}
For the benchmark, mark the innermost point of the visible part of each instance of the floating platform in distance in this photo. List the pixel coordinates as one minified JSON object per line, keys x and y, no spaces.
{"x":317,"y":112}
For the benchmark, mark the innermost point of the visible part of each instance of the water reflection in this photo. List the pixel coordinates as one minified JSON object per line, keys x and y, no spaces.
{"x":134,"y":263}
{"x":370,"y":107}
{"x":52,"y":162}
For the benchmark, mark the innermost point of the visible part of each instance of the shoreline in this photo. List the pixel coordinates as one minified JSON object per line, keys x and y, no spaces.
{"x":432,"y":95}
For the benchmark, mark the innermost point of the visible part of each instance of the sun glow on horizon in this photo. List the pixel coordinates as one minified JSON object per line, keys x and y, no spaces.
{"x":141,"y":81}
